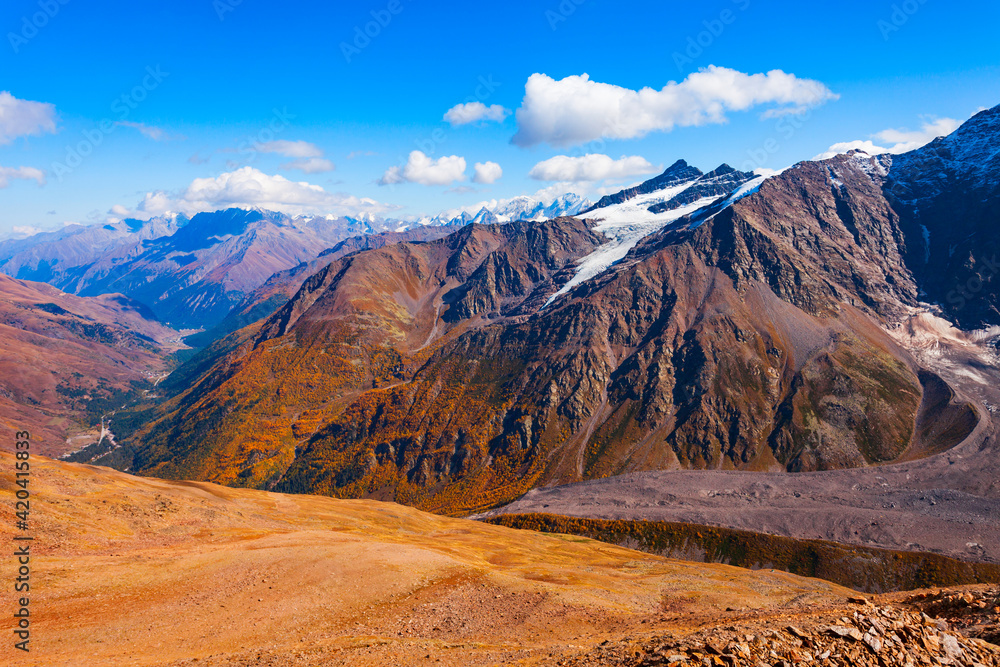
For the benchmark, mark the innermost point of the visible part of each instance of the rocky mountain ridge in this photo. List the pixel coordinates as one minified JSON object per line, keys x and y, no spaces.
{"x":751,"y":333}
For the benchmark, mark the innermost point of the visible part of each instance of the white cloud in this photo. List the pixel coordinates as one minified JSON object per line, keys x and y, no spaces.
{"x":576,"y":110}
{"x":23,"y":118}
{"x":901,"y":141}
{"x":463,"y":114}
{"x":25,"y":230}
{"x":590,"y":167}
{"x":154,"y":133}
{"x":119,"y":211}
{"x":426,"y":171}
{"x":848,"y":146}
{"x":21,"y":173}
{"x":296,"y":149}
{"x":308,"y":157}
{"x":550,"y":192}
{"x":768,"y":172}
{"x":248,"y":187}
{"x":487,"y":172}
{"x":312,"y":165}
{"x":930,"y":130}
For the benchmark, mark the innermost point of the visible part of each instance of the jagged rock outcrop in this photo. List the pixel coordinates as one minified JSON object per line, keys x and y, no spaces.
{"x":871,"y":635}
{"x":677,"y":173}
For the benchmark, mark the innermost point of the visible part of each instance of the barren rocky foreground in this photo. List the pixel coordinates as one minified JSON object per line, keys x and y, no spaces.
{"x":135,"y":571}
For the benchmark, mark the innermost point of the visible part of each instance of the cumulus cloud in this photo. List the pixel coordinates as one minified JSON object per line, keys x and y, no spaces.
{"x":487,"y":172}
{"x":576,"y":110}
{"x":7,"y":174}
{"x":590,"y":167}
{"x":898,"y":141}
{"x":25,"y":230}
{"x":848,"y":146}
{"x":154,"y":133}
{"x":426,"y":171}
{"x":23,"y":118}
{"x":248,"y":187}
{"x":931,"y":129}
{"x":463,"y":114}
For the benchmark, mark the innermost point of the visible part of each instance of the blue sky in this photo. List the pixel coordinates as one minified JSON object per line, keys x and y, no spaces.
{"x":207,"y":83}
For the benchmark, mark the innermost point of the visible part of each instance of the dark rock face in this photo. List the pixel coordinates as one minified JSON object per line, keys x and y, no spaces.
{"x":676,"y":174}
{"x":946,"y":195}
{"x":717,"y":183}
{"x":750,"y":335}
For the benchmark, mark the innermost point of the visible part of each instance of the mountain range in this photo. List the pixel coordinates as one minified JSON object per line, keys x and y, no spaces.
{"x":509,"y":210}
{"x":697,"y":321}
{"x":192,"y":272}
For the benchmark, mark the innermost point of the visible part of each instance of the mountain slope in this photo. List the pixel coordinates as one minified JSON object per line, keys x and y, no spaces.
{"x":300,"y":580}
{"x":282,"y":286}
{"x":677,"y":173}
{"x":747,"y":324}
{"x":695,"y":351}
{"x":62,"y":257}
{"x":365,"y":321}
{"x":946,"y":195}
{"x":65,"y":361}
{"x":193,"y":278}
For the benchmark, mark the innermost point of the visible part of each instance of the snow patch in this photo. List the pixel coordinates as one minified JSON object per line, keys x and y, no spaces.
{"x":744,"y":191}
{"x":868,"y":164}
{"x":625,"y":225}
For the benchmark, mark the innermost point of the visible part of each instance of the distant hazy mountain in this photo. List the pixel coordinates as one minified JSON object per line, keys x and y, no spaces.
{"x":193,"y":272}
{"x":190,"y":273}
{"x":510,"y":210}
{"x":62,"y":257}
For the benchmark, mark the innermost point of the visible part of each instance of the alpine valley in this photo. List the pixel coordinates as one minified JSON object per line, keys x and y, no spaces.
{"x":835,"y":317}
{"x":429,"y":334}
